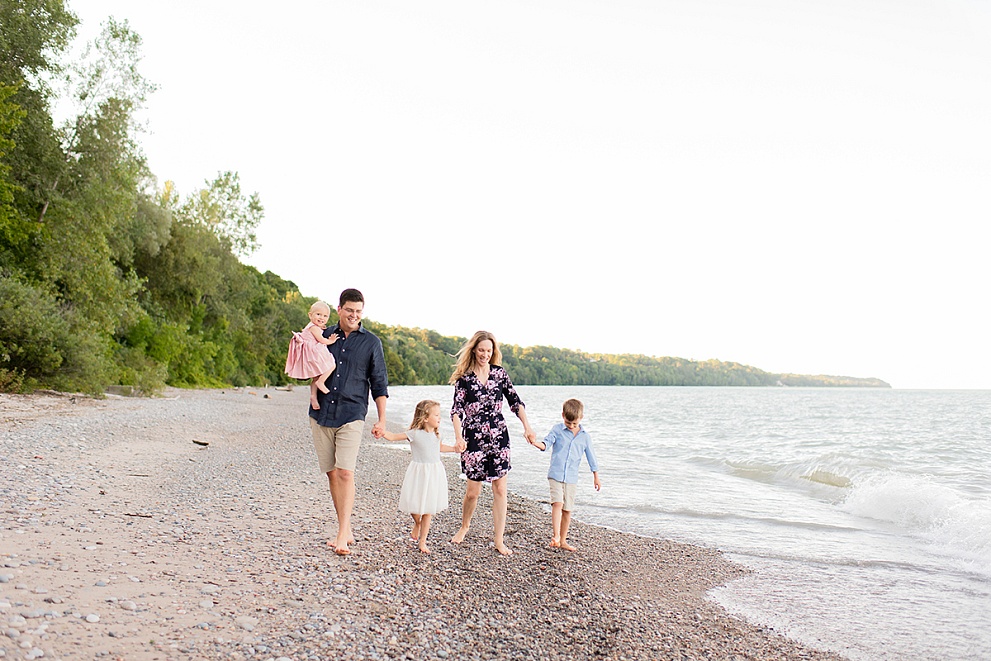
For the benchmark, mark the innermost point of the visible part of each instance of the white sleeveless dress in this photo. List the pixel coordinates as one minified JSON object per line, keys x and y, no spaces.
{"x":425,"y":485}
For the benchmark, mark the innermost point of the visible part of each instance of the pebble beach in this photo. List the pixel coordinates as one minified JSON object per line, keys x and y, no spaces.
{"x":195,"y":526}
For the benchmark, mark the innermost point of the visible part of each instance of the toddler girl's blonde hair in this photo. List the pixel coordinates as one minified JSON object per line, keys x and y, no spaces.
{"x":420,"y":414}
{"x":320,"y":305}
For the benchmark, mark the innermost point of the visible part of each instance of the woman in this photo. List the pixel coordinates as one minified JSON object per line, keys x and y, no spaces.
{"x":480,"y":431}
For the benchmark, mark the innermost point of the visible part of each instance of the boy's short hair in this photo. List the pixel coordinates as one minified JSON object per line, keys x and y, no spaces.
{"x":573,"y":409}
{"x":351,"y":296}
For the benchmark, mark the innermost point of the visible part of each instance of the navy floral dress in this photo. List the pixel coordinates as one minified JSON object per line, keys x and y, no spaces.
{"x":479,"y":407}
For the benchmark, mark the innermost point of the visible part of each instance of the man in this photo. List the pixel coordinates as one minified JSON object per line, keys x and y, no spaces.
{"x":340,"y":421}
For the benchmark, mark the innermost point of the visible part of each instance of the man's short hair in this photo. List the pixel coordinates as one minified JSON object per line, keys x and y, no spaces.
{"x":573,"y":410}
{"x":351,"y":296}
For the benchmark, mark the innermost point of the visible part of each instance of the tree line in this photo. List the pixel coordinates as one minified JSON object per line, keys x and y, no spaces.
{"x":107,"y":277}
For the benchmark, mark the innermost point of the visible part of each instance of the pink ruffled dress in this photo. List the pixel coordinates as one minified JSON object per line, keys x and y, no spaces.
{"x":308,"y":358}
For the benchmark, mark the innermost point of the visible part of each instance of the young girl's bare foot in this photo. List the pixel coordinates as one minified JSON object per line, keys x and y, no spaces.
{"x":502,"y":549}
{"x":414,"y":534}
{"x":459,"y":536}
{"x":322,"y":388}
{"x":314,"y":403}
{"x":334,"y":545}
{"x":567,"y":547}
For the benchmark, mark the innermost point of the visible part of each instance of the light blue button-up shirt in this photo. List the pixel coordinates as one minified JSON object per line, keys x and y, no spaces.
{"x":567,"y":450}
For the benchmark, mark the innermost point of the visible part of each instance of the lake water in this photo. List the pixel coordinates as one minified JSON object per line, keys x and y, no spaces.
{"x":866,"y":514}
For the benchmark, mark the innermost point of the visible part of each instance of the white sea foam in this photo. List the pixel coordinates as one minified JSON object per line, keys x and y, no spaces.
{"x":950,"y":522}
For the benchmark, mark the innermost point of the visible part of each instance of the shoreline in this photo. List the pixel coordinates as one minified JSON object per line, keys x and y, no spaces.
{"x":123,"y":536}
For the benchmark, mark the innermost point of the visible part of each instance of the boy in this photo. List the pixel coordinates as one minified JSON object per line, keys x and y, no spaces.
{"x":569,"y":442}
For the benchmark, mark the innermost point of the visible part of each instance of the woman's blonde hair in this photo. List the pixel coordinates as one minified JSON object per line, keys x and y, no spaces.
{"x":420,"y":414}
{"x":466,"y":355}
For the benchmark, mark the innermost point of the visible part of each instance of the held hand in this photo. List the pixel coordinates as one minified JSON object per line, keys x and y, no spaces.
{"x":530,"y":437}
{"x":460,"y":445}
{"x":378,"y":430}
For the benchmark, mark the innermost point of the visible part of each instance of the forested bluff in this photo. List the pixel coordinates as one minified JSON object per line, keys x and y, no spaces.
{"x":107,"y":278}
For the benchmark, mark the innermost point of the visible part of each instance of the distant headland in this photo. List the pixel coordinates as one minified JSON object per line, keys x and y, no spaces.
{"x":424,"y":357}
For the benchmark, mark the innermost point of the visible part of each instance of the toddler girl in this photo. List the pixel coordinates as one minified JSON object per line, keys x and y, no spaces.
{"x":308,"y":355}
{"x":424,"y":491}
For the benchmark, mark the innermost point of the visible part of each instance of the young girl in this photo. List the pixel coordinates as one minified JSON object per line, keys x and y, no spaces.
{"x":424,"y":491}
{"x":308,"y":355}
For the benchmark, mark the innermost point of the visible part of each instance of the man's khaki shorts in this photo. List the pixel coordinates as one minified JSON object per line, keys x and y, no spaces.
{"x":337,"y":447}
{"x":562,"y":492}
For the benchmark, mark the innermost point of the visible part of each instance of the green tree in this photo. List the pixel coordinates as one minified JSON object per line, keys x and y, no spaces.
{"x":222,"y":208}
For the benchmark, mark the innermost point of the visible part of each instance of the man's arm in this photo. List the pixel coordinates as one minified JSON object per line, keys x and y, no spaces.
{"x":378,"y":429}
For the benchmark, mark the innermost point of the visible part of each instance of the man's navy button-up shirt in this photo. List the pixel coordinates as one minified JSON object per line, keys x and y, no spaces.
{"x":360,"y":370}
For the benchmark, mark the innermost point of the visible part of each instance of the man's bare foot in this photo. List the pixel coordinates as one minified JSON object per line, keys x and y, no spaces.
{"x":459,"y":536}
{"x":567,"y":547}
{"x":424,"y":549}
{"x":502,"y":549}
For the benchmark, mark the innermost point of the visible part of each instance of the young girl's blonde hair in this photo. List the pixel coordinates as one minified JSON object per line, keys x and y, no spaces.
{"x":420,"y":414}
{"x":466,"y":355}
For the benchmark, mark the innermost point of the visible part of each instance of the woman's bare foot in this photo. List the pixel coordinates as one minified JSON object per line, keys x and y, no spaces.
{"x":567,"y":547}
{"x":459,"y":536}
{"x":502,"y":549}
{"x":341,"y":549}
{"x":554,"y":543}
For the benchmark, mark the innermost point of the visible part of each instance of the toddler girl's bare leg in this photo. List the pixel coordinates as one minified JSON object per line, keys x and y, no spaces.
{"x":417,"y":530}
{"x":424,"y":529}
{"x":320,"y":381}
{"x":313,"y":395}
{"x":556,"y":523}
{"x":565,"y":524}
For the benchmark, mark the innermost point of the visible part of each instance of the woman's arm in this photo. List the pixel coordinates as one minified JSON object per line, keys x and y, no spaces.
{"x":528,"y":434}
{"x":459,"y":439}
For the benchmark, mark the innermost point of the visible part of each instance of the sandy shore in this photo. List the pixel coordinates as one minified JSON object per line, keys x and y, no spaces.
{"x":195,"y":526}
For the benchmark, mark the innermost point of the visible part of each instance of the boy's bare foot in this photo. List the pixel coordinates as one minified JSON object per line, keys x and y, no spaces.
{"x":567,"y":547}
{"x":502,"y":549}
{"x":459,"y":536}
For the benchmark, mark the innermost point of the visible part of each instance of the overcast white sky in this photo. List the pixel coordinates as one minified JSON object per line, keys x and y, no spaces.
{"x":798,"y":185}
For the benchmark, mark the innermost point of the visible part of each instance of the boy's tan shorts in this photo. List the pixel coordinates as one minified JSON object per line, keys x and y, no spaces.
{"x":337,"y":447}
{"x":562,"y":492}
